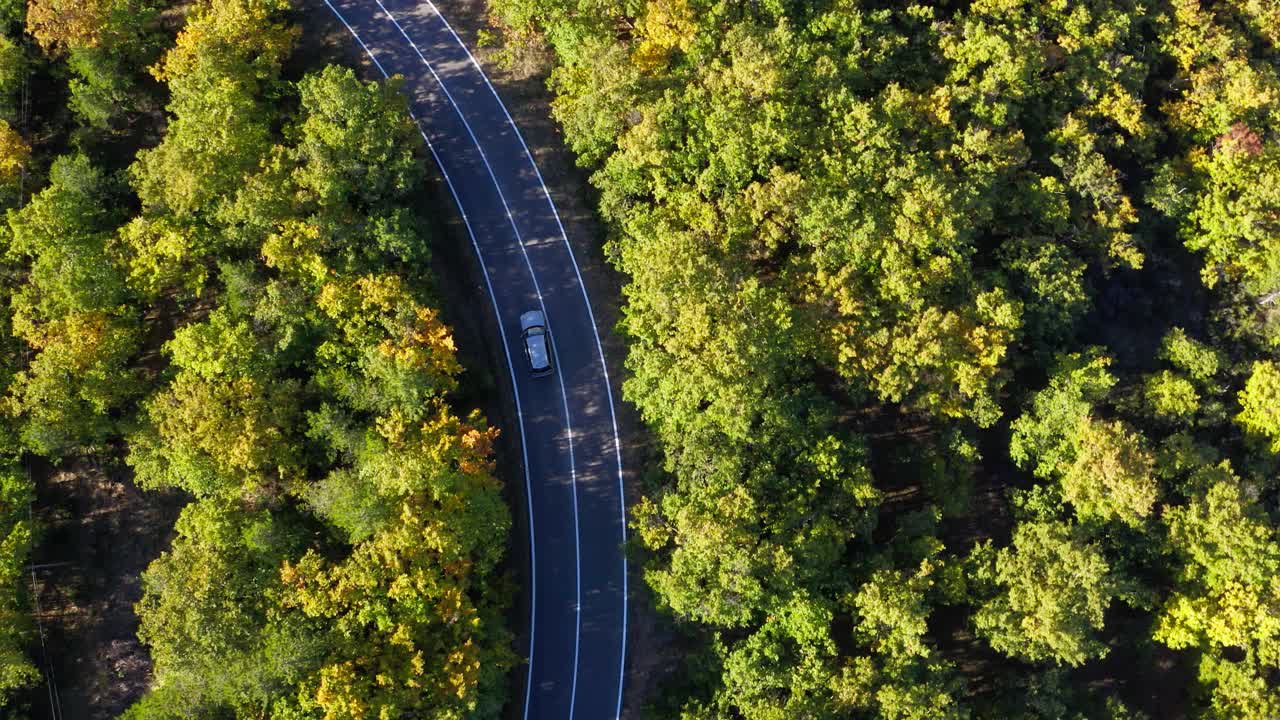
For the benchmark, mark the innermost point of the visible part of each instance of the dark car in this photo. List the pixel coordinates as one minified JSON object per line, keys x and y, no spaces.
{"x":537,"y":343}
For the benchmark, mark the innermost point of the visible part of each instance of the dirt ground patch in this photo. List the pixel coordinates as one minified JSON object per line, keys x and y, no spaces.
{"x":99,"y":532}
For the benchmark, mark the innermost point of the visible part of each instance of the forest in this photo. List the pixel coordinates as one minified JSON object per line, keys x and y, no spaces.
{"x":214,"y":283}
{"x":958,"y":326}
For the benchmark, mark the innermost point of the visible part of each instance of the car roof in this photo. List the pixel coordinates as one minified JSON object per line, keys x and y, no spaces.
{"x":539,"y":358}
{"x":533,"y":318}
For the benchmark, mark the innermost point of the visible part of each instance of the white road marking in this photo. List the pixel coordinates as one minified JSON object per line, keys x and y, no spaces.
{"x":577,"y":547}
{"x":533,"y":595}
{"x":617,"y":443}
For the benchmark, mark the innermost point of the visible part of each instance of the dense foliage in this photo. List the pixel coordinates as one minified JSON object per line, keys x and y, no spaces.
{"x":105,"y":45}
{"x":17,"y":531}
{"x":243,"y":315}
{"x":16,"y":668}
{"x":876,"y":252}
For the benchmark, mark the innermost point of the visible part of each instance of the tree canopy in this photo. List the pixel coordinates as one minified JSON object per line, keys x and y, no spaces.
{"x":349,"y":513}
{"x":875,"y":252}
{"x":241,"y":312}
{"x":956,"y":327}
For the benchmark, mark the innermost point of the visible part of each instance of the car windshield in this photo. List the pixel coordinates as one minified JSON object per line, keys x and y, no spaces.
{"x":536,"y":339}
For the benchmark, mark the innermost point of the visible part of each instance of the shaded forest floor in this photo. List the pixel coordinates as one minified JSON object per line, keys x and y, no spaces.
{"x":98,"y":533}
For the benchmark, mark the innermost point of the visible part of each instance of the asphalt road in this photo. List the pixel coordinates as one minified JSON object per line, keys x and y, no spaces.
{"x":572,"y":465}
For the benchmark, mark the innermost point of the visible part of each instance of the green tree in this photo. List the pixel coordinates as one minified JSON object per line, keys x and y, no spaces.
{"x":1112,"y":476}
{"x":1260,"y":403}
{"x":1103,"y":466}
{"x":1045,"y":437}
{"x":221,"y":72}
{"x":840,"y":217}
{"x":1097,"y":184}
{"x":784,"y":668}
{"x":1235,"y":221}
{"x":1200,"y":361}
{"x":1220,"y":187}
{"x":357,"y":142}
{"x":1170,"y":395}
{"x":210,"y":617}
{"x":16,"y":670}
{"x":1054,"y":587}
{"x":14,"y":66}
{"x":162,"y":253}
{"x":63,"y":232}
{"x":73,"y":311}
{"x":226,"y":424}
{"x":894,"y":611}
{"x":1225,"y":601}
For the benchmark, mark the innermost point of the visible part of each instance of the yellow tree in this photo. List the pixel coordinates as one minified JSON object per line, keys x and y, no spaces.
{"x":408,"y":637}
{"x":60,"y":25}
{"x":80,"y":373}
{"x":15,"y":154}
{"x":390,"y":352}
{"x":1113,"y":474}
{"x":667,"y":26}
{"x":1227,"y":601}
{"x":1260,"y":401}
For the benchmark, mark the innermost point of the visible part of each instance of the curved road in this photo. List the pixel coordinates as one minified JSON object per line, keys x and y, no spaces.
{"x":572,"y":463}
